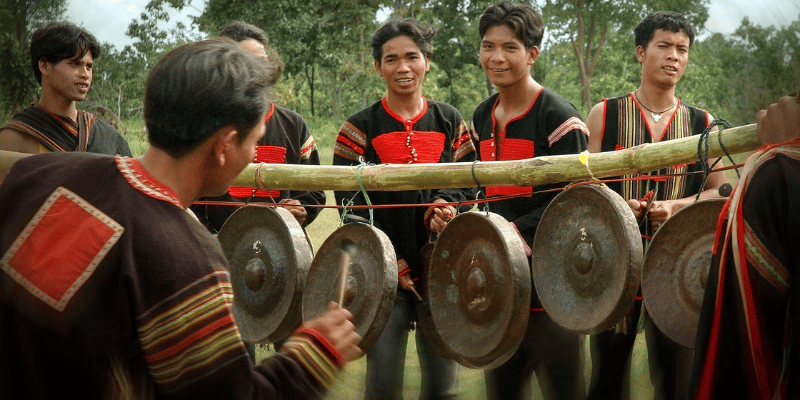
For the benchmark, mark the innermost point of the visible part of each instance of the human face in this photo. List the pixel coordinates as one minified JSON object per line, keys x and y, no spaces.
{"x":504,"y":58}
{"x":665,"y":58}
{"x":69,"y":78}
{"x":255,"y":47}
{"x":403,"y":67}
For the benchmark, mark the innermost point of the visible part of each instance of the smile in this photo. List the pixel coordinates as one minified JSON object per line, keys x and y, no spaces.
{"x":498,"y":69}
{"x":404,"y":80}
{"x":82,"y":85}
{"x":671,"y":69}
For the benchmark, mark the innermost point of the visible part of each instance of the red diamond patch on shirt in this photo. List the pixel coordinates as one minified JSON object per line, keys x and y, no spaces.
{"x":60,"y":248}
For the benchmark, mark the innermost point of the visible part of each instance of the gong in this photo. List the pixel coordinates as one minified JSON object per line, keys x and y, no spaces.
{"x":676,"y":269}
{"x":268,"y":256}
{"x":479,"y":290}
{"x":424,"y":321}
{"x":371,"y":284}
{"x":587,"y":259}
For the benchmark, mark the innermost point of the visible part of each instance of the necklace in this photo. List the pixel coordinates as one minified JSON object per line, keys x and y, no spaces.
{"x":656,"y":115}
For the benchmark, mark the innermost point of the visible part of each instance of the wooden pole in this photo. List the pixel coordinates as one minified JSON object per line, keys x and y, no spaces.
{"x":528,"y":172}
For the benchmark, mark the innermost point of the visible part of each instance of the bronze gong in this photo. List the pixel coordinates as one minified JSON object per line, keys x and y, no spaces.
{"x":587,"y":259}
{"x":479,"y":289}
{"x":676,"y":269}
{"x":423,"y":309}
{"x":269,"y":256}
{"x":371,"y":279}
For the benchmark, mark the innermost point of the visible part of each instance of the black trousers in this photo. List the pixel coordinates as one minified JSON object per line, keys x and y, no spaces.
{"x":555,"y":355}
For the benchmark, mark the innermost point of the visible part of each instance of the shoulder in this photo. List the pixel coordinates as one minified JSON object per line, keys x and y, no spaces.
{"x":484,"y":108}
{"x":288,"y":114}
{"x":367,"y":114}
{"x":555,"y":107}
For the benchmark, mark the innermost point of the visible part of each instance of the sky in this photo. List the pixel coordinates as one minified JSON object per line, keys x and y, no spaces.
{"x":108,"y":19}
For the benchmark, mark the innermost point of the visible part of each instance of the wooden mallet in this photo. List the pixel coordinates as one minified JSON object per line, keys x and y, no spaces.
{"x":348,"y":249}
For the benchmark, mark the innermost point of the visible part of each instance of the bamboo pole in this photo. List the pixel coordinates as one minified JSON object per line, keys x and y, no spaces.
{"x":528,"y":172}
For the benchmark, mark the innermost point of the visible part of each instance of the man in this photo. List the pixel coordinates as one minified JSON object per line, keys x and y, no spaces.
{"x":62,"y":59}
{"x":525,"y":120}
{"x":287,"y":141}
{"x":110,"y":289}
{"x":405,"y":127}
{"x":651,"y":113}
{"x":747,"y":340}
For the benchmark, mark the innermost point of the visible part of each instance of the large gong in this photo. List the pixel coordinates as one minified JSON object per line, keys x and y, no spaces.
{"x":587,"y":259}
{"x":479,"y":288}
{"x":371,"y":279}
{"x":676,"y":269}
{"x":269,"y":256}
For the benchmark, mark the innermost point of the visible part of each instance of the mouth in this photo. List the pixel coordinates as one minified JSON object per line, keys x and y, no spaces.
{"x":498,"y":70}
{"x":670,"y":69}
{"x":404,"y":81}
{"x":82,"y":86}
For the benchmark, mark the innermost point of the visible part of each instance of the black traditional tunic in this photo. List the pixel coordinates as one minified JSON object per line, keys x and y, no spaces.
{"x":287,"y":141}
{"x":379,"y":136}
{"x":110,"y":288}
{"x":748,"y":342}
{"x":551,"y":126}
{"x":58,"y":133}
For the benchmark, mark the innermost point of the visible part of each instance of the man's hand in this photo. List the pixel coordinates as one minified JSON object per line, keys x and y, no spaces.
{"x":780,"y":122}
{"x":295,"y":207}
{"x":440,"y":216}
{"x":405,"y":281}
{"x":336,"y":325}
{"x":659,"y":212}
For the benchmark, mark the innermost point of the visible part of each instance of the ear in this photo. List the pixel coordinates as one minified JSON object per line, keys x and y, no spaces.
{"x":44,"y":67}
{"x":223,"y":141}
{"x":377,"y":67}
{"x":427,"y":64}
{"x":533,"y":54}
{"x":640,"y":53}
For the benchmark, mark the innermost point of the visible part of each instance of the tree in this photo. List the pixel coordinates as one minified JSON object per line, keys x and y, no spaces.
{"x":18,"y":20}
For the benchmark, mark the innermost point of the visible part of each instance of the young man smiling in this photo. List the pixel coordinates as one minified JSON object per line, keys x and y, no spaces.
{"x":525,"y":120}
{"x":62,"y":59}
{"x":651,"y":113}
{"x":405,"y":127}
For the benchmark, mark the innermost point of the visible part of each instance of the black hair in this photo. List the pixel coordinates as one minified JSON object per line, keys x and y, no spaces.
{"x":200,"y":87}
{"x":524,"y":20}
{"x":422,"y":35}
{"x":60,"y":41}
{"x":240,"y":31}
{"x":664,"y":20}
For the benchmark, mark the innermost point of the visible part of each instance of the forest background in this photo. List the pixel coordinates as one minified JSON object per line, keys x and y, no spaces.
{"x":588,"y":54}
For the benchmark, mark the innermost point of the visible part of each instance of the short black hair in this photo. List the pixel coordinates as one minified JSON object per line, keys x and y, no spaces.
{"x":524,"y":20}
{"x":240,"y":31}
{"x":422,"y":35}
{"x":200,"y":87}
{"x":60,"y":41}
{"x":664,"y":20}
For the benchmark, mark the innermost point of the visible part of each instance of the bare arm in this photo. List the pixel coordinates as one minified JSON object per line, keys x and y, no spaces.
{"x":595,"y":124}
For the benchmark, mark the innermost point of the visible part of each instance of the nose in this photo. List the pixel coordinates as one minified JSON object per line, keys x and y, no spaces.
{"x":402,"y":65}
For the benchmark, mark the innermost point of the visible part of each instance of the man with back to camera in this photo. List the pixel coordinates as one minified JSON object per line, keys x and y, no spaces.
{"x":62,"y":59}
{"x":525,"y":120}
{"x":405,"y":127}
{"x":651,"y":113}
{"x":287,"y":141}
{"x":110,"y":289}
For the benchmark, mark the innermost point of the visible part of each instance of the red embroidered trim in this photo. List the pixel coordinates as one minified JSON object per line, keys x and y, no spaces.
{"x":409,"y":147}
{"x":329,"y":348}
{"x":141,"y":180}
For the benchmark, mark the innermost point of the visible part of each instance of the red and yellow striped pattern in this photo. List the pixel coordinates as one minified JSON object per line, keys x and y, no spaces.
{"x":191,"y":333}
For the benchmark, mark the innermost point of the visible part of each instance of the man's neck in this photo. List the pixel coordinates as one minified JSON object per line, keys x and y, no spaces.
{"x":656,"y":97}
{"x":518,"y":95}
{"x":180,"y":175}
{"x":59,"y":105}
{"x":405,"y":106}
